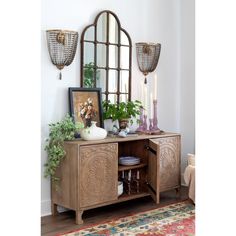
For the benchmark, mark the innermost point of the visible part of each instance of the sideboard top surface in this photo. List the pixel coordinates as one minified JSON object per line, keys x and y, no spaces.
{"x":120,"y":139}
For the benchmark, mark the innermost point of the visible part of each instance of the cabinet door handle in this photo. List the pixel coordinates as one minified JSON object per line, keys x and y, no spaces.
{"x":150,"y":149}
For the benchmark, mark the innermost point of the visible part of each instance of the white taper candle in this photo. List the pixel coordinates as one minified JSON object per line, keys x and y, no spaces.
{"x":138,"y":174}
{"x":145,"y":100}
{"x":155,"y":87}
{"x":151,"y":106}
{"x":141,"y":94}
{"x":129,"y":175}
{"x":126,"y":95}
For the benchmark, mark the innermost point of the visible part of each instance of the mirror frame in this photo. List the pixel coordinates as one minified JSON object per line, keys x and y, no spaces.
{"x":107,"y":43}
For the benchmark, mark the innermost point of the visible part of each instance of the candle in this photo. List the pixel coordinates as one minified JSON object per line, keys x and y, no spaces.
{"x":141,"y":92}
{"x":126,"y":98}
{"x":129,"y":175}
{"x":138,"y":174}
{"x":145,"y":100}
{"x":123,"y":174}
{"x":151,"y":106}
{"x":155,"y":87}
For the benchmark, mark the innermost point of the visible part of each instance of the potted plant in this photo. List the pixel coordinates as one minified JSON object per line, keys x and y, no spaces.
{"x":123,"y":111}
{"x":66,"y":129}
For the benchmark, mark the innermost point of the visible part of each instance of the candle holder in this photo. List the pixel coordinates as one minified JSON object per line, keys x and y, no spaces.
{"x":135,"y":183}
{"x":127,"y":183}
{"x":155,"y":121}
{"x":145,"y":123}
{"x":141,"y":120}
{"x":150,"y":124}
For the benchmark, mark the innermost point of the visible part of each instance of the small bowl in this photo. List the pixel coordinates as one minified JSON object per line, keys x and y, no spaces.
{"x":120,"y":188}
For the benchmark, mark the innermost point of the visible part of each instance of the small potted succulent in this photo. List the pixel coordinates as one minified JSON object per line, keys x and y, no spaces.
{"x":123,"y":111}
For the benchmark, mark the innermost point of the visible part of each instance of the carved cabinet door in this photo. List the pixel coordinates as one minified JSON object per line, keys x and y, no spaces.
{"x":98,"y":174}
{"x":168,"y":153}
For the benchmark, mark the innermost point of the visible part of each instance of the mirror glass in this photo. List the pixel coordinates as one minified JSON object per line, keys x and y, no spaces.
{"x":103,"y":97}
{"x":113,"y":81}
{"x":106,"y":58}
{"x":124,"y":82}
{"x":124,"y":38}
{"x":101,"y":55}
{"x":102,"y":28}
{"x":113,"y":29}
{"x":124,"y":57}
{"x":112,"y":98}
{"x":101,"y":79}
{"x":88,"y":53}
{"x":89,"y":34}
{"x":113,"y":56}
{"x":123,"y":97}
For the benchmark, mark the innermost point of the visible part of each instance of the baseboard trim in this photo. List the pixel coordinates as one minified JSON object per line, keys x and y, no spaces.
{"x":46,"y":208}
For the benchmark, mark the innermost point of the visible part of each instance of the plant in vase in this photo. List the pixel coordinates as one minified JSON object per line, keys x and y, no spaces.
{"x":123,"y":112}
{"x":58,"y":133}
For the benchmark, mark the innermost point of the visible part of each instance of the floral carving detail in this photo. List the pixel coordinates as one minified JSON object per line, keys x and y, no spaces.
{"x":169,"y":162}
{"x":98,"y":183}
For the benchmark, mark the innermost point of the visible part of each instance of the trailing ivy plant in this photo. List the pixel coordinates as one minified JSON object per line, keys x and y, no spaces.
{"x":58,"y":133}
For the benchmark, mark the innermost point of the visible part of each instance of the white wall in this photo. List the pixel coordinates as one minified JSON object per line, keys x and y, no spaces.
{"x":145,"y":20}
{"x":187,"y":75}
{"x":163,"y":27}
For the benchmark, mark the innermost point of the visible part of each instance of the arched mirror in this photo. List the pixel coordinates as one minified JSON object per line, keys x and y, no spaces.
{"x":106,"y":58}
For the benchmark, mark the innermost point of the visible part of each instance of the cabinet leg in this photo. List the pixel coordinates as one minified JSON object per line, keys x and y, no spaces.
{"x":177,"y":192}
{"x":79,"y":220}
{"x":54,"y":209}
{"x":157,"y":198}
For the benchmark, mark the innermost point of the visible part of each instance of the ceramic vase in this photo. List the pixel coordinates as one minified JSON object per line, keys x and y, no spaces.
{"x":93,"y":132}
{"x":109,"y":124}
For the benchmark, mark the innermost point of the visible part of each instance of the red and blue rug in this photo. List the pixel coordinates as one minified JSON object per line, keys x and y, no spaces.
{"x":173,"y":220}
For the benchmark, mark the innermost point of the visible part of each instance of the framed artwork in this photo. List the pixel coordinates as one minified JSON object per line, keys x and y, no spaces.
{"x":86,"y":105}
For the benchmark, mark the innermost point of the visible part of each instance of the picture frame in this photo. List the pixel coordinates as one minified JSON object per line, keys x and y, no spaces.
{"x":78,"y":95}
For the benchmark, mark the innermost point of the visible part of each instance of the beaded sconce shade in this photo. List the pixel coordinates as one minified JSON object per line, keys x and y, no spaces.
{"x":147,"y":56}
{"x":62,"y":46}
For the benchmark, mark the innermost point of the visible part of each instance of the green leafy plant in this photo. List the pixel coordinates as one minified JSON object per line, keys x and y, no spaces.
{"x":59,"y":132}
{"x":89,"y":75}
{"x":123,"y":110}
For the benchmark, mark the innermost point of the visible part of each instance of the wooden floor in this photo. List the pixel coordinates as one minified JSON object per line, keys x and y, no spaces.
{"x":52,"y":225}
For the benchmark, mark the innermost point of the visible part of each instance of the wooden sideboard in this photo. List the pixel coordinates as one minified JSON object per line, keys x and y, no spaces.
{"x":90,"y":171}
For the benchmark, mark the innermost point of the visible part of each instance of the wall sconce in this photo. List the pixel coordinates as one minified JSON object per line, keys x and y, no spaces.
{"x":147,"y":56}
{"x":62,"y":46}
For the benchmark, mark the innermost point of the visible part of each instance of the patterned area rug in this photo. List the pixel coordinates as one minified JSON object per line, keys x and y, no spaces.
{"x":173,"y":220}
